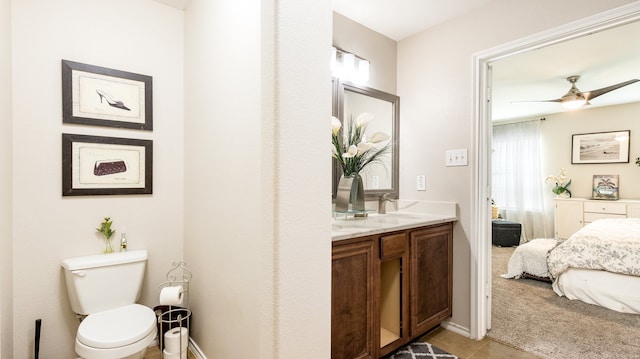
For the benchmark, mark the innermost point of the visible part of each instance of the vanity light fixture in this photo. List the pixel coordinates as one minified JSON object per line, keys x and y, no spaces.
{"x":363,"y":70}
{"x":348,"y":66}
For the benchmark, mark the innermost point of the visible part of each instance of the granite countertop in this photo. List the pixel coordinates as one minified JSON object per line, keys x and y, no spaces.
{"x":408,"y":216}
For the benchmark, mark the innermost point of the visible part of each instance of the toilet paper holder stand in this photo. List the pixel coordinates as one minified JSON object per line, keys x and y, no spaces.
{"x":175,"y":316}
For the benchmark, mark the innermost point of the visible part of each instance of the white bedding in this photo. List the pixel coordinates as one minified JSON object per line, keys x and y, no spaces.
{"x":611,"y":244}
{"x":600,"y":264}
{"x":531,"y":258}
{"x":614,"y":291}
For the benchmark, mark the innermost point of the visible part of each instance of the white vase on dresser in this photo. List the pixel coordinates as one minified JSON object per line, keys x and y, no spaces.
{"x":571,"y":214}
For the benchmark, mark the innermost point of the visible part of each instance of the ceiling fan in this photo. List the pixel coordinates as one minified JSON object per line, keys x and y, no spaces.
{"x":574,"y":98}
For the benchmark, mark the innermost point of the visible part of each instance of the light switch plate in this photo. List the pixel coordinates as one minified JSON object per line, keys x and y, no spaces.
{"x":421,"y":183}
{"x":456,"y":158}
{"x":375,"y":182}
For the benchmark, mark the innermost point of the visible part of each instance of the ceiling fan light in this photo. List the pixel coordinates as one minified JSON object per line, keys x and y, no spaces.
{"x":574,"y":102}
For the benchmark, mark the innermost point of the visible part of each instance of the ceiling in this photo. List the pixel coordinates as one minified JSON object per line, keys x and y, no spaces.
{"x":399,"y":19}
{"x":601,"y":59}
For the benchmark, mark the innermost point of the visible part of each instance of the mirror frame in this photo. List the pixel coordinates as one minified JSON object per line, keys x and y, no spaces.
{"x":339,"y":87}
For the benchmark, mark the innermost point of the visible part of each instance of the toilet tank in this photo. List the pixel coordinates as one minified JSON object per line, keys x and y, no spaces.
{"x":104,"y":281}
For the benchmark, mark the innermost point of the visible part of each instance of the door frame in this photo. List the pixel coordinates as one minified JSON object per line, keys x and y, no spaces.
{"x":481,"y":190}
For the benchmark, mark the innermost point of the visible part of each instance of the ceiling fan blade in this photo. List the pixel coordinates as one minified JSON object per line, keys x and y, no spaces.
{"x":589,"y":95}
{"x":556,"y":100}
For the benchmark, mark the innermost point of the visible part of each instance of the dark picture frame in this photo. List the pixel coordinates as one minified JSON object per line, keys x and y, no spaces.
{"x":601,"y":147}
{"x":606,"y":187}
{"x":94,"y":165}
{"x":99,"y":96}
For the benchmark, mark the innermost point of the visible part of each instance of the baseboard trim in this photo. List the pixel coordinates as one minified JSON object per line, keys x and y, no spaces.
{"x":456,"y":328}
{"x":195,"y":349}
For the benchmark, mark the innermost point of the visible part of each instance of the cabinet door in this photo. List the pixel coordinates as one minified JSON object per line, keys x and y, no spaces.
{"x":568,"y":218}
{"x":633,"y":211}
{"x":431,"y":276}
{"x":353,"y":300}
{"x":394,"y":292}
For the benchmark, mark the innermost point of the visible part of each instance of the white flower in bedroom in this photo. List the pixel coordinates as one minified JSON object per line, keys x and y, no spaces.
{"x":561,"y":184}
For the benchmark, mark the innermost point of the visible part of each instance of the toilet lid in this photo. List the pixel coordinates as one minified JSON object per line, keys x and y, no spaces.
{"x":116,"y":327}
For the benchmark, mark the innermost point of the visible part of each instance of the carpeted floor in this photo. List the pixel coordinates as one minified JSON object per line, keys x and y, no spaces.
{"x":421,"y":350}
{"x":528,"y":315}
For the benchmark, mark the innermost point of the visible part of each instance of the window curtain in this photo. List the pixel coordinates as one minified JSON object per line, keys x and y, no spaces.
{"x":517,"y":180}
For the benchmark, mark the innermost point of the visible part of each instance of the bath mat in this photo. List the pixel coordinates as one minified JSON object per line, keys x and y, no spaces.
{"x":421,"y":350}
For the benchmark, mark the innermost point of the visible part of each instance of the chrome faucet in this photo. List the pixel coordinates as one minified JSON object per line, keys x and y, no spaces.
{"x":382,"y":203}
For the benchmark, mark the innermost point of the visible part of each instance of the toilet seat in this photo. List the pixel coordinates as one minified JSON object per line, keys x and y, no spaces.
{"x":121,"y":331}
{"x":117,"y":327}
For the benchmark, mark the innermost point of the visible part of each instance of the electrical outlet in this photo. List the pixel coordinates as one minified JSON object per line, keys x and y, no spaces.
{"x":456,"y":158}
{"x":421,"y":183}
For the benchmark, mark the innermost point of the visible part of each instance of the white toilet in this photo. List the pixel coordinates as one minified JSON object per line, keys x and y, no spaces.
{"x":105,"y":287}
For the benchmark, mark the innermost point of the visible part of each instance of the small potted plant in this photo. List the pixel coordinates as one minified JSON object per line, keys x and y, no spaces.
{"x":561,"y":184}
{"x":105,"y":229}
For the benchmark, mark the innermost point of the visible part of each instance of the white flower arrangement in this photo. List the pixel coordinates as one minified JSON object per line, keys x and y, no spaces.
{"x":356,"y":151}
{"x":561,"y":183}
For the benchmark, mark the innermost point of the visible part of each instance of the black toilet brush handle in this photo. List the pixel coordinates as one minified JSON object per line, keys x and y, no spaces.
{"x":37,"y":340}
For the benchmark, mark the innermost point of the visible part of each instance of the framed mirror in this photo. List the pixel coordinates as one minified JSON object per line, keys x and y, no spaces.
{"x":351,"y":100}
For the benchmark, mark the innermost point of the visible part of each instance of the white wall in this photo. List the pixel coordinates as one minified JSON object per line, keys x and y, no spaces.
{"x":380,"y":50}
{"x":556,"y":136}
{"x":435,"y":83}
{"x":6,"y":143}
{"x":255,"y":121}
{"x":257,"y":223}
{"x":139,"y":36}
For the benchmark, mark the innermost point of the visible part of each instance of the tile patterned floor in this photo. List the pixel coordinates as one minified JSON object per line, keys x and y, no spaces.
{"x":466,"y":348}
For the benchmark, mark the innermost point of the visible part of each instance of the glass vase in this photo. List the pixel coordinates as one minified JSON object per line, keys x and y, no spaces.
{"x":108,"y":248}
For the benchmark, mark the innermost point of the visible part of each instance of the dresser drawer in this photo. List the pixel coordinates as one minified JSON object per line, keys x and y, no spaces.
{"x":606,"y":207}
{"x":392,"y":245}
{"x":590,"y":217}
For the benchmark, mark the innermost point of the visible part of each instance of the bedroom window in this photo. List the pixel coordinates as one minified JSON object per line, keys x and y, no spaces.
{"x":517,"y":180}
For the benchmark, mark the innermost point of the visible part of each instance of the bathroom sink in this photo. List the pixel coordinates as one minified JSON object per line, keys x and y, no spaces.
{"x":405,"y":215}
{"x":376,"y":221}
{"x":352,"y":225}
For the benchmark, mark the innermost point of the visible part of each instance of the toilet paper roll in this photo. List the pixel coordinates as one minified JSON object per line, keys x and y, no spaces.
{"x":174,"y":337}
{"x":167,"y":355}
{"x":171,"y":295}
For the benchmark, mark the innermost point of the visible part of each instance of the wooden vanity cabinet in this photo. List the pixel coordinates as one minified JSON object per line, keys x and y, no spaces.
{"x":389,"y":289}
{"x":354,"y":291}
{"x":431,"y":277}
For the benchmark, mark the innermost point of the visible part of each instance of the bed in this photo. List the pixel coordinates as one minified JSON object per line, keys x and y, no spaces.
{"x":599,"y":264}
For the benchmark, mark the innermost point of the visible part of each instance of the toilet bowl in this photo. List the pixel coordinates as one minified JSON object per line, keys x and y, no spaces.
{"x":123,"y":332}
{"x":104,"y":290}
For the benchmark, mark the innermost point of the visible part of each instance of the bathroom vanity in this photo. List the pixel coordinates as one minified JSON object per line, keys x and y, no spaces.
{"x":391,"y":281}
